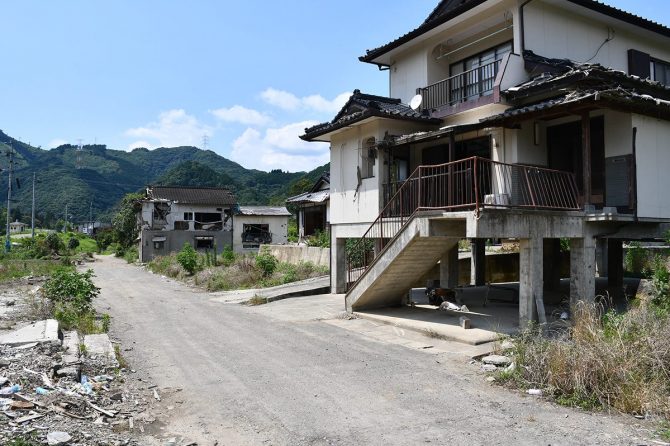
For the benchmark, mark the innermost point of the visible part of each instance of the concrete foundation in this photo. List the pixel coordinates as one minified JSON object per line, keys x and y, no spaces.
{"x":449,"y":267}
{"x":531,"y":281}
{"x":582,"y":269}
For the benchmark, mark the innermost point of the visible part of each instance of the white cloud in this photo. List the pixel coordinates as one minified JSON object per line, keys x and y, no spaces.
{"x":173,"y":128}
{"x":242,"y":115}
{"x":281,"y":99}
{"x":56,"y":142}
{"x":316,"y":102}
{"x":279,"y":148}
{"x":320,"y":104}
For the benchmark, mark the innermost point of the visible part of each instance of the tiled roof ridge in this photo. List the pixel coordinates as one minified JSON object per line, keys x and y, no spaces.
{"x":436,"y":19}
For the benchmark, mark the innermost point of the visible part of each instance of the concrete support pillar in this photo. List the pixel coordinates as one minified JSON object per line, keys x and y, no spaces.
{"x":615,"y":265}
{"x":552,"y":264}
{"x":601,"y":257}
{"x":582,"y":269}
{"x":478,"y":262}
{"x":449,"y":268}
{"x":531,"y":301}
{"x":338,"y":266}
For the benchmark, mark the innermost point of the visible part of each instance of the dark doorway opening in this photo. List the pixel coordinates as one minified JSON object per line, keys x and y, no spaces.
{"x":564,"y":146}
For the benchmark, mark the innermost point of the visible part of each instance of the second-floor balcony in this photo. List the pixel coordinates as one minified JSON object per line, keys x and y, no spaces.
{"x":466,"y":86}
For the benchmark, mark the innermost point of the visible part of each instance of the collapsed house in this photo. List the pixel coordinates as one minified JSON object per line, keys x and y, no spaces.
{"x":539,"y":120}
{"x":254,"y":226}
{"x":173,"y":216}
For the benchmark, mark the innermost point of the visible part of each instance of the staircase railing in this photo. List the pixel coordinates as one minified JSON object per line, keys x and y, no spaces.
{"x":469,"y":184}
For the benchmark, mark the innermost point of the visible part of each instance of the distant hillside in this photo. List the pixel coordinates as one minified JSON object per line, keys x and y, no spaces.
{"x":104,"y":176}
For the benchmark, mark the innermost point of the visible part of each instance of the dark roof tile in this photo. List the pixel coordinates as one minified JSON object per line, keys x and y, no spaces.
{"x":192,"y":195}
{"x":361,"y":106}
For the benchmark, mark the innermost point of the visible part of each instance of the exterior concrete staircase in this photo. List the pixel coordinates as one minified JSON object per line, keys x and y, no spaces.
{"x":408,"y":257}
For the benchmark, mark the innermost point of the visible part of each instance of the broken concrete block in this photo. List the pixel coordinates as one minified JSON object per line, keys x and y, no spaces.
{"x":489,"y":368}
{"x":41,"y":332}
{"x":99,"y":345}
{"x":497,"y":360}
{"x":71,"y":343}
{"x":465,"y":323}
{"x":58,"y":438}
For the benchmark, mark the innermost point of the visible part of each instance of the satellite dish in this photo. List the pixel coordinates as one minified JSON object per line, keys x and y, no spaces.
{"x":416,"y":101}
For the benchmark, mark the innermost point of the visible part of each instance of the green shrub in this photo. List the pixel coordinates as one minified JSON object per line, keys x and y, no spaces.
{"x":266,"y":262}
{"x":131,"y":255}
{"x":53,"y":242}
{"x":320,"y":239}
{"x":72,"y":243}
{"x":635,"y":259}
{"x":188,"y":258}
{"x":228,"y":256}
{"x":358,"y":250}
{"x":69,"y":286}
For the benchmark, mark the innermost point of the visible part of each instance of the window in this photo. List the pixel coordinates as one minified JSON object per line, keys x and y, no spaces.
{"x":474,"y":76}
{"x":660,"y":71}
{"x":181,"y":226}
{"x":188,"y":216}
{"x":367,"y":158}
{"x":159,"y":245}
{"x":204,"y":242}
{"x":253,"y":234}
{"x":208,"y":221}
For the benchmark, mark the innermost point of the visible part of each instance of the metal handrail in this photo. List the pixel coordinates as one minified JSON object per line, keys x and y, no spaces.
{"x":472,"y":183}
{"x":462,"y":86}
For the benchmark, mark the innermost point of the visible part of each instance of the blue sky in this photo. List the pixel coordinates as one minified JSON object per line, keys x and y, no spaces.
{"x":248,"y":74}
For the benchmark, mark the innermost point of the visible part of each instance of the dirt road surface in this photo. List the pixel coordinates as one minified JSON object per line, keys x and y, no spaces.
{"x":250,"y":379}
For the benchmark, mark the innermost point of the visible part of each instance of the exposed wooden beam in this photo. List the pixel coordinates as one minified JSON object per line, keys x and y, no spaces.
{"x":586,"y":157}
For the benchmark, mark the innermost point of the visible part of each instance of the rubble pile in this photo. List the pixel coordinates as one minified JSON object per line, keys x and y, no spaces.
{"x":52,"y":395}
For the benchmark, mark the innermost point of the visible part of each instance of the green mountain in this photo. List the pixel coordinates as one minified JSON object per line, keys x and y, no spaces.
{"x":94,"y":179}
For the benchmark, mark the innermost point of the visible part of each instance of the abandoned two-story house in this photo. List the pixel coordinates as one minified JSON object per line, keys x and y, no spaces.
{"x":313,"y":208}
{"x":172,"y":216}
{"x":538,"y":120}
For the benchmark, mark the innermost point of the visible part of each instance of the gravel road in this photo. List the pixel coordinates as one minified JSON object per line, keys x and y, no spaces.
{"x":250,"y":379}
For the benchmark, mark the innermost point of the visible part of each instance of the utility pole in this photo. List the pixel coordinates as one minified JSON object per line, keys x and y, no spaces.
{"x":32,"y":216}
{"x":65,"y":224}
{"x":10,"y":154}
{"x":90,"y":220}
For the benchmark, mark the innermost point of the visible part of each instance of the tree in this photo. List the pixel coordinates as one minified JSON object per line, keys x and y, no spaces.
{"x":124,"y":222}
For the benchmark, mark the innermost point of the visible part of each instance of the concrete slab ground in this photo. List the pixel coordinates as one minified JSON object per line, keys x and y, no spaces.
{"x":317,"y":285}
{"x":39,"y":332}
{"x":329,"y":308}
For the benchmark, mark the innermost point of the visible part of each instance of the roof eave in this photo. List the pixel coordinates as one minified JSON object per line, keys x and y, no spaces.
{"x":372,"y":56}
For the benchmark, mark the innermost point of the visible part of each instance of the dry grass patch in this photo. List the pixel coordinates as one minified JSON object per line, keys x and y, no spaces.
{"x":604,"y":360}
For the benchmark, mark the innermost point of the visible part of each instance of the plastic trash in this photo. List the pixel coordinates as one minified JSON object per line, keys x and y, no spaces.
{"x":41,"y":391}
{"x":101,"y":378}
{"x":534,"y":392}
{"x":87,"y":388}
{"x":11,"y":390}
{"x":84,"y":379}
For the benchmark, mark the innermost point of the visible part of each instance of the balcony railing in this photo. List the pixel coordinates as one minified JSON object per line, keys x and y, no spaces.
{"x":462,"y":87}
{"x":470,"y":184}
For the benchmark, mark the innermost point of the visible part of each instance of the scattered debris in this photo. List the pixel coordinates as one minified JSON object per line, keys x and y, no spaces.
{"x":497,"y":360}
{"x":55,"y":396}
{"x":537,"y":392}
{"x":465,"y":322}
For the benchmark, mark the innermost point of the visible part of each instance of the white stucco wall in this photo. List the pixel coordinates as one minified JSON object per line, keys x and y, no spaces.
{"x":278,"y":226}
{"x":618,"y":133}
{"x":653,"y":162}
{"x":568,"y":31}
{"x":347,"y":205}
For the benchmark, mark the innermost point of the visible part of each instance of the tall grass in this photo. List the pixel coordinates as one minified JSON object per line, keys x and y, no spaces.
{"x":604,"y":360}
{"x":238,"y":272}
